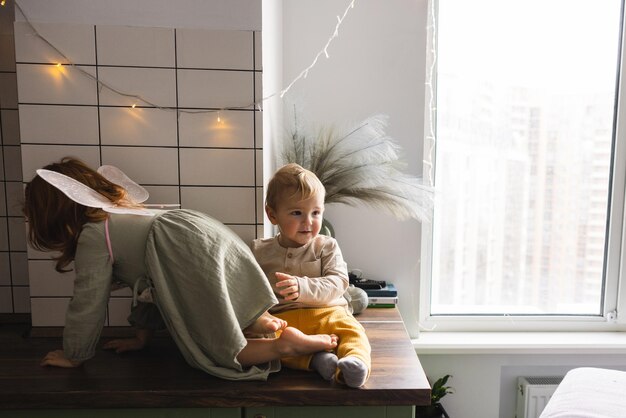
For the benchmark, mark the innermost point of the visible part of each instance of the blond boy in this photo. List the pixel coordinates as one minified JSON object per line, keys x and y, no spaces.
{"x":309,"y":276}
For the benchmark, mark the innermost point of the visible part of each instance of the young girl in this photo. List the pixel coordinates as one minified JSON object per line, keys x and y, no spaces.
{"x":202,"y":277}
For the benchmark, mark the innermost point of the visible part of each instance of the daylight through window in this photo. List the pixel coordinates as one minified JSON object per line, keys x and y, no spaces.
{"x":525,"y":109}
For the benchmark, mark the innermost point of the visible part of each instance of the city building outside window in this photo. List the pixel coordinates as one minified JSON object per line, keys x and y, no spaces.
{"x":526,"y":152}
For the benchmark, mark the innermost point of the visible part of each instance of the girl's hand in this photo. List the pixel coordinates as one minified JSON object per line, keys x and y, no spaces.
{"x":289,"y":284}
{"x":125,"y":344}
{"x":130,"y":344}
{"x":57,"y":358}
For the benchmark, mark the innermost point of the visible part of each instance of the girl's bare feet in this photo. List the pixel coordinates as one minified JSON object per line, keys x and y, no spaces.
{"x":265,"y":324}
{"x":292,"y":342}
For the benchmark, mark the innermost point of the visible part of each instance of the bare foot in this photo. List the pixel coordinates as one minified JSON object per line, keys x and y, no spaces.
{"x":292,"y":342}
{"x":265,"y":324}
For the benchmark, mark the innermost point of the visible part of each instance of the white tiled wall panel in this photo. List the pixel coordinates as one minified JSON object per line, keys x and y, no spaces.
{"x":66,"y":85}
{"x":37,"y":156}
{"x":4,"y":235}
{"x":215,"y":89}
{"x":12,"y":163}
{"x":74,"y":42}
{"x":7,"y":52}
{"x":144,"y":165}
{"x":48,"y":312}
{"x":14,"y":198}
{"x":14,"y":295}
{"x":8,"y":91}
{"x":59,"y":124}
{"x":143,"y":47}
{"x":232,"y":205}
{"x":180,"y":157}
{"x":6,"y":300}
{"x":19,"y":268}
{"x":119,"y":309}
{"x":156,"y":85}
{"x":258,"y":87}
{"x":245,"y":232}
{"x":216,"y":167}
{"x":3,"y":199}
{"x":34,"y":254}
{"x":258,"y":126}
{"x":46,"y":281}
{"x":260,"y":202}
{"x":21,"y":299}
{"x":229,"y":50}
{"x":259,"y":168}
{"x":10,"y":127}
{"x":163,"y":194}
{"x":258,"y":51}
{"x":234,"y":129}
{"x":5,"y":269}
{"x":17,"y":238}
{"x":128,"y":126}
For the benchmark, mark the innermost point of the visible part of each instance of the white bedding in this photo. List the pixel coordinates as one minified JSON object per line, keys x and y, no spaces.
{"x":589,"y":392}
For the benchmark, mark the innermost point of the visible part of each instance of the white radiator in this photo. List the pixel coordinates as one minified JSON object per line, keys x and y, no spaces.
{"x":533,"y":393}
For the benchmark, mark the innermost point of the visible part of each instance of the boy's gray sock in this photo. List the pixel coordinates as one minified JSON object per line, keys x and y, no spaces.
{"x":325,"y":364}
{"x":353,"y":370}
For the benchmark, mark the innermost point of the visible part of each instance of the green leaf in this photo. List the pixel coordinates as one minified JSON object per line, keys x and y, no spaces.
{"x":439,"y":390}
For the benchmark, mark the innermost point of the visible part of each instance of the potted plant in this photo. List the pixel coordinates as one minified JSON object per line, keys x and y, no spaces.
{"x":438,"y":391}
{"x":359,"y":163}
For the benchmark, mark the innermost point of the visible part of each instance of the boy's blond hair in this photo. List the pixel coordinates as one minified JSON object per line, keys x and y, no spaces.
{"x":295,"y":179}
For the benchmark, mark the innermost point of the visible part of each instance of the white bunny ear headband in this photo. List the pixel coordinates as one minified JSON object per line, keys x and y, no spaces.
{"x":86,"y":196}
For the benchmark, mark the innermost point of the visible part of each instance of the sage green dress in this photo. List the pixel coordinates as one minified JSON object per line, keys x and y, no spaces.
{"x":203,"y":278}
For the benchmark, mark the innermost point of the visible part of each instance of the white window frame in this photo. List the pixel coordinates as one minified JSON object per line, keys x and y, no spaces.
{"x":613,"y":316}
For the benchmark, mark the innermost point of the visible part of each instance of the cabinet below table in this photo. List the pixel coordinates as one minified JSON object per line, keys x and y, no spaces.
{"x":252,"y":412}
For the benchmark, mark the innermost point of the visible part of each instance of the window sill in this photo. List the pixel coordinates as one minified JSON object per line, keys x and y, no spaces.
{"x":520,"y":343}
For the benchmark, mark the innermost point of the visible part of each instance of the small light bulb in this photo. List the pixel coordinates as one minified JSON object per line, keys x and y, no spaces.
{"x":59,"y":64}
{"x":134,"y":104}
{"x":219,"y":119}
{"x":3,"y":2}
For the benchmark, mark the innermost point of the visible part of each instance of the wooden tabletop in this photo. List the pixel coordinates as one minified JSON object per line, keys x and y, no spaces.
{"x":159,"y":377}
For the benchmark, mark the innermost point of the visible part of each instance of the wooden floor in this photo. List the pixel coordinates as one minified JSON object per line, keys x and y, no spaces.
{"x":159,"y":376}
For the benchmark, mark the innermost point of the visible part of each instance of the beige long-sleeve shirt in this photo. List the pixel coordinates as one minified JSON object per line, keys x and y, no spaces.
{"x":321,"y":272}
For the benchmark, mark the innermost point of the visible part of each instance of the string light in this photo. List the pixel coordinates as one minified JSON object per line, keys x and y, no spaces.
{"x":305,"y":72}
{"x":219,"y":119}
{"x":431,"y":137}
{"x":3,"y":2}
{"x":101,"y":84}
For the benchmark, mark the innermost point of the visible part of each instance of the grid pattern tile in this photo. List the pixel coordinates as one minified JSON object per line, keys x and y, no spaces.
{"x":200,"y":147}
{"x":14,"y":289}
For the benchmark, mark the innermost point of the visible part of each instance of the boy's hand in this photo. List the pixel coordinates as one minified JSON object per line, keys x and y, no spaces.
{"x":288,"y":286}
{"x":57,"y":358}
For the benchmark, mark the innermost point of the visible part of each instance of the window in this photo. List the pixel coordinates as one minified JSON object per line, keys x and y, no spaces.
{"x":527,"y":158}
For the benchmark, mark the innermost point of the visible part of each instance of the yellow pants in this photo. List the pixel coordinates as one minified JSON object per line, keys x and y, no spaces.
{"x":332,"y":320}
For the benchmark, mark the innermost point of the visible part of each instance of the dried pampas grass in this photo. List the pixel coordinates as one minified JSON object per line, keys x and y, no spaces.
{"x":360,"y":164}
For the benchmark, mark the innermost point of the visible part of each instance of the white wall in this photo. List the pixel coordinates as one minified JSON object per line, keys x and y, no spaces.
{"x":202,"y":14}
{"x":485,"y":384}
{"x":375,"y":66}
